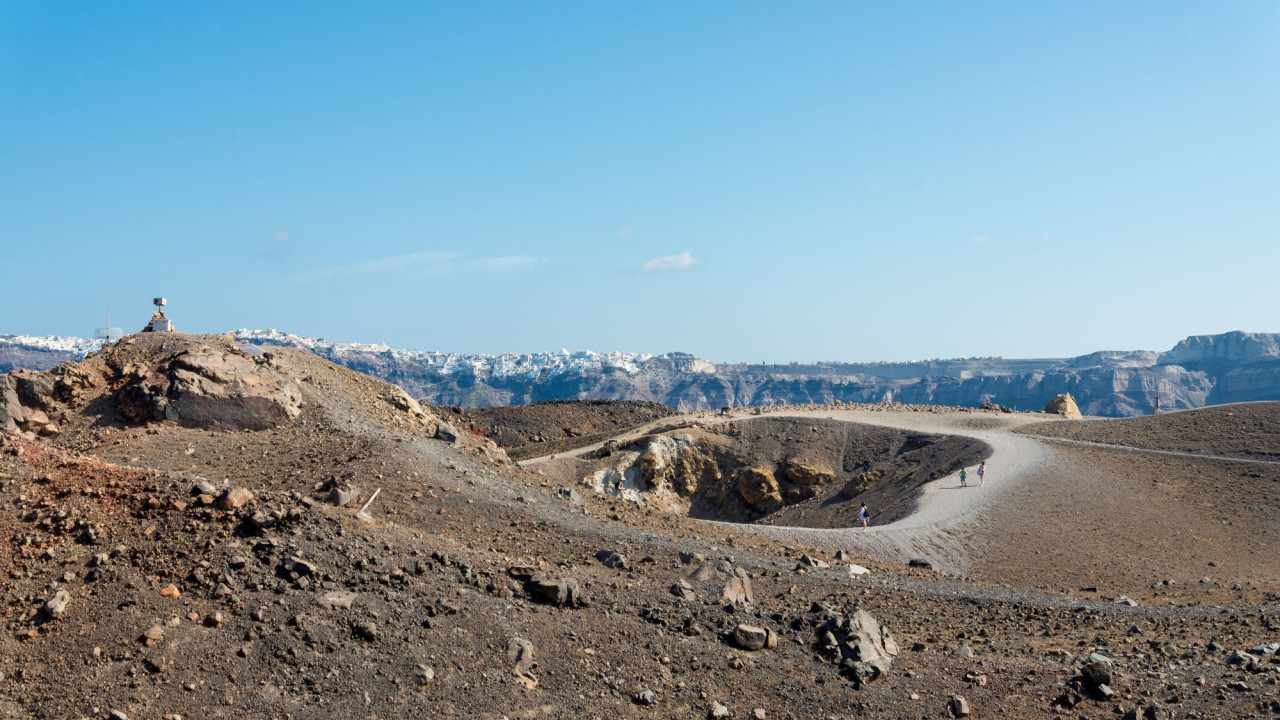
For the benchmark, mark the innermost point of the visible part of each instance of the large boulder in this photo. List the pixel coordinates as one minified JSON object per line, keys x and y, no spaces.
{"x":10,"y":409}
{"x":206,"y":387}
{"x":807,"y":472}
{"x":1064,"y":405}
{"x":859,"y":644}
{"x":21,"y":405}
{"x":676,"y":463}
{"x":759,"y":489}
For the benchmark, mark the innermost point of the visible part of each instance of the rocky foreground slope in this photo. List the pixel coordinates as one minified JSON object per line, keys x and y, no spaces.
{"x":183,"y":537}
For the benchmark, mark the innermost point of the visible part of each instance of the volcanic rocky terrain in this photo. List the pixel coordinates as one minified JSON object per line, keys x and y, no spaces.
{"x":195,"y":528}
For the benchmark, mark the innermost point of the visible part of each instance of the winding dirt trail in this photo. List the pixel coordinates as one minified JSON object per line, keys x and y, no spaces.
{"x":939,"y":529}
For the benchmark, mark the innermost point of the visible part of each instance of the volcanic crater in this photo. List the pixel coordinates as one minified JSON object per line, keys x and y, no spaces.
{"x":804,"y":472}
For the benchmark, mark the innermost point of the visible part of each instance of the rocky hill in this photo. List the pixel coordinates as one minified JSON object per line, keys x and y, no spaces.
{"x":203,"y":528}
{"x":1199,"y":371}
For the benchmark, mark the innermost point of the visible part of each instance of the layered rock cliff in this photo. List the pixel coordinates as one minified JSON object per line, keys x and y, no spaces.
{"x":1200,"y":370}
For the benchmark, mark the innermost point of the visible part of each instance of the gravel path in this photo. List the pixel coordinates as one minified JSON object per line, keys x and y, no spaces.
{"x":938,"y":530}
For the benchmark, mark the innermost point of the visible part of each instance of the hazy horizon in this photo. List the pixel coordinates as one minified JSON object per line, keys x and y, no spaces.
{"x":718,"y":361}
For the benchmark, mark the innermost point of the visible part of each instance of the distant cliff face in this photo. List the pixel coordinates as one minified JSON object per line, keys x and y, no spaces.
{"x":1109,"y":384}
{"x":1201,"y":370}
{"x":1231,"y":348}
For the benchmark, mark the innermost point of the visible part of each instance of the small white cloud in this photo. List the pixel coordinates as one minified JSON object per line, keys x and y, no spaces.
{"x":507,"y":262}
{"x":980,"y":238}
{"x":435,"y":260}
{"x":683,"y":261}
{"x":626,"y":231}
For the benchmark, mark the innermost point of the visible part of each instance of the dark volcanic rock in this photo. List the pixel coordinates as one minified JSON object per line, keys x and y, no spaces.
{"x":210,"y":388}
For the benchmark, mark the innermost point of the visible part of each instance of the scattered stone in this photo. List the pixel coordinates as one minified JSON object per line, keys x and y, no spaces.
{"x":751,"y":637}
{"x":520,"y":652}
{"x":235,"y":498}
{"x":738,"y":592}
{"x":857,"y":570}
{"x":343,"y":495}
{"x":213,"y":619}
{"x":645,"y":697}
{"x":54,"y":607}
{"x":338,"y":599}
{"x":958,"y":706}
{"x":717,"y":712}
{"x":425,"y":674}
{"x":813,"y":562}
{"x":683,"y":590}
{"x":1096,"y":673}
{"x":1242,"y":659}
{"x":366,"y":630}
{"x":153,"y":635}
{"x":612,"y":559}
{"x":447,"y":433}
{"x":1126,"y":601}
{"x":564,"y":592}
{"x":920,"y":563}
{"x":570,"y":496}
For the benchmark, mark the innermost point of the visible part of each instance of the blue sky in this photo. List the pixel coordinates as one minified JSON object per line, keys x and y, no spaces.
{"x":741,"y":180}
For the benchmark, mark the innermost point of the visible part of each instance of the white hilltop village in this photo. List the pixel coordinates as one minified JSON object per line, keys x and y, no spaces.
{"x":503,"y":365}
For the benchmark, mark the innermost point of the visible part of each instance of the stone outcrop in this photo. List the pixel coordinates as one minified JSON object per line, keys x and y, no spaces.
{"x":208,"y":387}
{"x":758,"y":488}
{"x":807,"y":472}
{"x":23,"y":404}
{"x":676,"y":463}
{"x":862,"y":647}
{"x":1063,"y":405}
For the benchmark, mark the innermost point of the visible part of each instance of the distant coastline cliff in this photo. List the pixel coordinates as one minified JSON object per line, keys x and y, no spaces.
{"x":1200,"y":370}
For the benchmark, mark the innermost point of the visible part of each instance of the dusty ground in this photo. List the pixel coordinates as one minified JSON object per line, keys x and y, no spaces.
{"x":1249,"y":431}
{"x":555,"y":426}
{"x":105,"y":512}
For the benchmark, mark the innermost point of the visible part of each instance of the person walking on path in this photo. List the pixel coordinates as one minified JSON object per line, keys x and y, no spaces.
{"x":963,"y":475}
{"x":862,"y":516}
{"x":982,"y":473}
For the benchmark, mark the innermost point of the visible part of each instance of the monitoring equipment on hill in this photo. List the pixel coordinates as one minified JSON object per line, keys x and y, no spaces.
{"x":108,"y":334}
{"x":159,"y":323}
